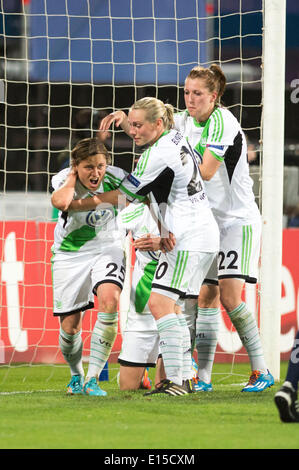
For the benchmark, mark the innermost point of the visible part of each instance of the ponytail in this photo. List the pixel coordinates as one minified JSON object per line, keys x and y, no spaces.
{"x":214,"y":78}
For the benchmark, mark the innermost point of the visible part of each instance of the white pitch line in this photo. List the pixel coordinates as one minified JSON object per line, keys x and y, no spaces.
{"x":28,"y":392}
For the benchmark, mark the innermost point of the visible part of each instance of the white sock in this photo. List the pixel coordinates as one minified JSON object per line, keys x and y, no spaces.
{"x":71,"y":347}
{"x":171,"y":346}
{"x":247,"y":329}
{"x":207,"y":329}
{"x":187,"y":372}
{"x":101,"y":343}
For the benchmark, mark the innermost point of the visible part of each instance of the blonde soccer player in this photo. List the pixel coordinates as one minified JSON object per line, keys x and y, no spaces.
{"x":88,"y":260}
{"x":220,"y":144}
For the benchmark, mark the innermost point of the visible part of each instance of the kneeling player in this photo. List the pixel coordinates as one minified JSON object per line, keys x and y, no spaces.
{"x":140,"y":346}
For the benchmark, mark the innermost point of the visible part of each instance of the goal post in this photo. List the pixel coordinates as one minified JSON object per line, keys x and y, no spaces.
{"x":272,"y":180}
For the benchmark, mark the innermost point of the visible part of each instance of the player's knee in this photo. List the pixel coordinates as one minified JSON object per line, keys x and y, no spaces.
{"x":209,"y":296}
{"x":71,"y":324}
{"x":153,"y":305}
{"x":108,"y":302}
{"x":228,"y":302}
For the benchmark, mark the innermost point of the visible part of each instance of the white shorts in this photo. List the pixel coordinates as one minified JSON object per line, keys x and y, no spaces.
{"x":140,"y":346}
{"x":139,"y":349}
{"x":76,"y":276}
{"x":238,"y":255}
{"x":181,"y":273}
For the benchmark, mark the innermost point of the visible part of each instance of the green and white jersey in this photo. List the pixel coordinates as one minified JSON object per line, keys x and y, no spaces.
{"x":167,"y":173}
{"x":230,"y":190}
{"x":90,"y":230}
{"x":137,"y":219}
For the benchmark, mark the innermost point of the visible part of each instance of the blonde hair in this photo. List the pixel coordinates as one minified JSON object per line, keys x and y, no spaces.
{"x":214,"y":79}
{"x":156,"y":109}
{"x":86,"y":148}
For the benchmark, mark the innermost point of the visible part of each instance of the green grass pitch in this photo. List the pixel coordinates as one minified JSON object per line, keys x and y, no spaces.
{"x":37,"y":414}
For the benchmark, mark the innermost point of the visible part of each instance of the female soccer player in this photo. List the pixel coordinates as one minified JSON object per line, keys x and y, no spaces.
{"x":167,"y":173}
{"x":217,"y":138}
{"x":140,"y":339}
{"x":88,"y":259}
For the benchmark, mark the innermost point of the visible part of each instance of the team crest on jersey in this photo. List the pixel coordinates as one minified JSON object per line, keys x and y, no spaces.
{"x":99,"y":218}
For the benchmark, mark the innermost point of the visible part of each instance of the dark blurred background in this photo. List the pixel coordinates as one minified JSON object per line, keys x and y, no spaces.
{"x":45,"y":107}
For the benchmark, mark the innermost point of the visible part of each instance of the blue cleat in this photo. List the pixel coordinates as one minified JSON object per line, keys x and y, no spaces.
{"x":92,"y":388}
{"x":201,"y":386}
{"x":259,"y":382}
{"x":75,"y":387}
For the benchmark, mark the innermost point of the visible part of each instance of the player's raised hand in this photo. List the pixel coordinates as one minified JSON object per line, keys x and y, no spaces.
{"x":118,"y":117}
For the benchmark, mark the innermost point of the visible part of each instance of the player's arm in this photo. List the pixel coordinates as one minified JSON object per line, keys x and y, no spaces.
{"x":114,"y":197}
{"x":209,"y":165}
{"x":62,"y":197}
{"x":119,"y":118}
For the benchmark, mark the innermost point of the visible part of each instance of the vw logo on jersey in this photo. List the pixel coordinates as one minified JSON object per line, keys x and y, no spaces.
{"x":99,"y":218}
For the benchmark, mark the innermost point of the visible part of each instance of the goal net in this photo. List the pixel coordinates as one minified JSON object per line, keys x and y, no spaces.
{"x":64,"y":64}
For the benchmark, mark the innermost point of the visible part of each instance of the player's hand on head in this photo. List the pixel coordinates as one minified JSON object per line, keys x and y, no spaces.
{"x":117,"y":117}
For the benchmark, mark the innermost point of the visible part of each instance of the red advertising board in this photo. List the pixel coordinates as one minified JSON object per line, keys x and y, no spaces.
{"x":29,"y":332}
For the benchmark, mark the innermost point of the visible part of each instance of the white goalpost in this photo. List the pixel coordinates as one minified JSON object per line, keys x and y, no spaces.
{"x":272,"y":180}
{"x":63,"y":64}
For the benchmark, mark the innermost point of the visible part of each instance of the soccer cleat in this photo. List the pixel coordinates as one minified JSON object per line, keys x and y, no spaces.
{"x":167,"y":387}
{"x":75,"y":387}
{"x":286,"y":401}
{"x":92,"y":388}
{"x":146,"y":383}
{"x":189,"y":385}
{"x":201,"y":386}
{"x":258,"y":382}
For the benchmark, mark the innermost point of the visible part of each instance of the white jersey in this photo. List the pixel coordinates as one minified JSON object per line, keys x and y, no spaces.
{"x":137,"y":219}
{"x":230,"y":190}
{"x":88,"y":231}
{"x":167,"y":172}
